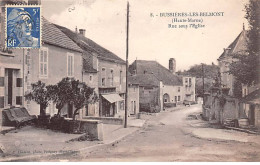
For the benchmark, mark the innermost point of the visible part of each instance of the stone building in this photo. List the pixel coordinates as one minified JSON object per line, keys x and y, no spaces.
{"x":21,"y":67}
{"x":110,"y":69}
{"x":149,"y":94}
{"x":174,"y":88}
{"x":235,"y":106}
{"x":238,"y":46}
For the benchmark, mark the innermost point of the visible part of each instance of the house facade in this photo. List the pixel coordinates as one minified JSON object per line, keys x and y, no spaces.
{"x":245,"y":106}
{"x":238,"y":46}
{"x":189,"y":92}
{"x":172,"y":88}
{"x":111,"y":73}
{"x":42,"y":64}
{"x":11,"y":70}
{"x":19,"y":68}
{"x":149,"y":95}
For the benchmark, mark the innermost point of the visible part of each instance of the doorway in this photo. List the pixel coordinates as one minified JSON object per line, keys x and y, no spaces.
{"x":251,"y":115}
{"x":70,"y":110}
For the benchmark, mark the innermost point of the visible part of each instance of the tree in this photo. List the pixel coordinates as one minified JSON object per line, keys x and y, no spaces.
{"x":74,"y":92}
{"x":245,"y":67}
{"x":210,"y":72}
{"x":82,"y":96}
{"x":41,"y":94}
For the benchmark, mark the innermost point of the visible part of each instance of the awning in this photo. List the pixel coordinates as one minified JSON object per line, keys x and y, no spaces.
{"x":112,"y":97}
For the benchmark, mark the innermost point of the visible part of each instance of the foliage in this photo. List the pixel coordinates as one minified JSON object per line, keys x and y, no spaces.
{"x":71,"y":91}
{"x":210,"y":72}
{"x":253,"y":16}
{"x":41,"y":95}
{"x":246,"y":67}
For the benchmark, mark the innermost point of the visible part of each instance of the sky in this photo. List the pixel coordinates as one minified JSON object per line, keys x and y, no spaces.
{"x":149,"y":37}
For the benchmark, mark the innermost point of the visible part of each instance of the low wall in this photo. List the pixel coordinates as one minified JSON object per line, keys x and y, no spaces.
{"x":106,"y":120}
{"x":93,"y":128}
{"x":145,"y":116}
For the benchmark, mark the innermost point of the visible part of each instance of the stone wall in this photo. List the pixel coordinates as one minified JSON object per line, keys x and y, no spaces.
{"x":93,"y":127}
{"x":106,"y":120}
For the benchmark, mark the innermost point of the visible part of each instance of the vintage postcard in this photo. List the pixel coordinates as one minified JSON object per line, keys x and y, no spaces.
{"x":129,"y":81}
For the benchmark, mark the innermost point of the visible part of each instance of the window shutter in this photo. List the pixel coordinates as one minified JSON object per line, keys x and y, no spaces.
{"x":2,"y":81}
{"x":2,"y":101}
{"x":18,"y":100}
{"x":19,"y":82}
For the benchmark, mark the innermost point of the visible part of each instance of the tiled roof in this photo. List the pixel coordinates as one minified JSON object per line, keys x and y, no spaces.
{"x":90,"y":46}
{"x":52,"y":35}
{"x":144,"y":80}
{"x":87,"y":66}
{"x":239,"y":44}
{"x":153,"y":67}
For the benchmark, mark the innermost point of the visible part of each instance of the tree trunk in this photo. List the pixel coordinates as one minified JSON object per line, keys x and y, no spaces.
{"x":42,"y":110}
{"x":59,"y":111}
{"x":75,"y":113}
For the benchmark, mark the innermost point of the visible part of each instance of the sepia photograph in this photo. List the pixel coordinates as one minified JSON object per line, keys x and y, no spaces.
{"x":129,"y":81}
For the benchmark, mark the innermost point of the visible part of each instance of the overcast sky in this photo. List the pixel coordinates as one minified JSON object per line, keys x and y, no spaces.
{"x":150,"y":37}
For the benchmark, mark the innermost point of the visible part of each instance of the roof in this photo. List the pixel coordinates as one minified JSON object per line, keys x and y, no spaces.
{"x":160,"y":72}
{"x":87,"y":65}
{"x":238,"y":45}
{"x":90,"y":46}
{"x":252,"y":98}
{"x":144,"y":80}
{"x":52,"y":35}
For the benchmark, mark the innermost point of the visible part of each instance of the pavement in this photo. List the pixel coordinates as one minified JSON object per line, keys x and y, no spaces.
{"x":203,"y":129}
{"x":31,"y":143}
{"x":176,"y":134}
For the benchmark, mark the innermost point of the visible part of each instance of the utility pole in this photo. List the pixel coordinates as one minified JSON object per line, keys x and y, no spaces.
{"x":203,"y":83}
{"x":126,"y":91}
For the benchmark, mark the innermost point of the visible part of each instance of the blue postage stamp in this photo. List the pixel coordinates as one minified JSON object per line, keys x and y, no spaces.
{"x":23,"y":26}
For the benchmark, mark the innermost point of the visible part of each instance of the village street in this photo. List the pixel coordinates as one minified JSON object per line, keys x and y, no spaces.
{"x":176,"y":135}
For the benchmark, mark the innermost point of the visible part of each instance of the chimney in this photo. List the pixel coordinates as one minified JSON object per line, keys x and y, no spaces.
{"x":172,"y":65}
{"x":76,"y":30}
{"x":82,"y":32}
{"x":226,"y":50}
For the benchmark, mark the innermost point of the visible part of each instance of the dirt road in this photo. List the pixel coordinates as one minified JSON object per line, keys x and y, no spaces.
{"x":168,"y":137}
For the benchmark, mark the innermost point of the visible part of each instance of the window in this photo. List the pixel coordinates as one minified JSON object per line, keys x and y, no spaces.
{"x":112,"y":77}
{"x":43,"y":62}
{"x":70,"y":64}
{"x":19,"y":100}
{"x":179,"y":89}
{"x":179,"y":98}
{"x":103,"y":77}
{"x":90,"y":78}
{"x":175,"y":98}
{"x":120,"y":77}
{"x":19,"y":82}
{"x":103,"y":81}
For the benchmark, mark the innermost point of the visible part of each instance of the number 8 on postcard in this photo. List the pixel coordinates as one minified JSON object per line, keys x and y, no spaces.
{"x":23,"y":26}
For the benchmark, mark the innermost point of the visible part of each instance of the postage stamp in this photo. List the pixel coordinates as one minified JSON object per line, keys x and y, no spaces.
{"x":23,"y":26}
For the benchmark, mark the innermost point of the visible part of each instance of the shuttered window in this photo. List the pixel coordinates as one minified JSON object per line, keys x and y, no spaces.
{"x":43,"y":62}
{"x":70,"y":65}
